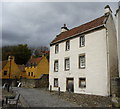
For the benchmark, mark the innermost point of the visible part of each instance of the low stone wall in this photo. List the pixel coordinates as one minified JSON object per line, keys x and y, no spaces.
{"x":116,"y":91}
{"x":13,"y":82}
{"x":43,"y":82}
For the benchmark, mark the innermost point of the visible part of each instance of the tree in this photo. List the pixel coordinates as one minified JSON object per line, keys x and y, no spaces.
{"x":21,"y":52}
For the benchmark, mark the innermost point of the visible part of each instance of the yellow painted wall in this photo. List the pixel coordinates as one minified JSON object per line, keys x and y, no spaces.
{"x":15,"y":71}
{"x":41,"y":68}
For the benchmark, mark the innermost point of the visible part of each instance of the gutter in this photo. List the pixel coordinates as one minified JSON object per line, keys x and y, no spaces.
{"x":77,"y":34}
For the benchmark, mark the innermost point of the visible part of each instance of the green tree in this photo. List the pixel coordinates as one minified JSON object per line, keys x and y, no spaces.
{"x":21,"y":52}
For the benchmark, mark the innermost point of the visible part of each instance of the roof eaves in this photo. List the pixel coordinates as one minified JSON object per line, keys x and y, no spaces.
{"x":76,"y":34}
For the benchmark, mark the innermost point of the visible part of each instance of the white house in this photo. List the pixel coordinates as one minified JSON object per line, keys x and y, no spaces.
{"x":118,"y":33}
{"x":84,"y":59}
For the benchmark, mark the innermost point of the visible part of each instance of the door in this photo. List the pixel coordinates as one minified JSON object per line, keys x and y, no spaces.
{"x":70,"y":84}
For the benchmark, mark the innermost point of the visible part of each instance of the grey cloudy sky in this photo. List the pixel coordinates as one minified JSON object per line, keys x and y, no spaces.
{"x":37,"y":23}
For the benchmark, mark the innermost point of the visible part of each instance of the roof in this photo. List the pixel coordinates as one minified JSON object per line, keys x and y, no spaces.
{"x":34,"y":60}
{"x":80,"y":29}
{"x":22,"y":68}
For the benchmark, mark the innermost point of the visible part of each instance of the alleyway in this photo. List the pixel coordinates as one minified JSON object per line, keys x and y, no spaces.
{"x":40,"y":98}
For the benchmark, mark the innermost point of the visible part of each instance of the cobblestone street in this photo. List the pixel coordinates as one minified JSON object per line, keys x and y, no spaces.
{"x":41,"y":98}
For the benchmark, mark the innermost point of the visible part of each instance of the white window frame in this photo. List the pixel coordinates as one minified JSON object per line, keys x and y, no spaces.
{"x":82,"y":82}
{"x":55,"y":82}
{"x":67,"y":64}
{"x":56,"y":48}
{"x":67,"y":47}
{"x":82,"y":41}
{"x":56,"y":66}
{"x":82,"y":61}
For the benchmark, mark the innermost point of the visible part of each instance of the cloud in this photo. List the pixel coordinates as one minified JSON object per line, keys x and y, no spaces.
{"x":37,"y":23}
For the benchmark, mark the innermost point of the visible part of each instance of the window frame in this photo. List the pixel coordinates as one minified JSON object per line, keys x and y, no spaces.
{"x":4,"y":73}
{"x":81,"y":41}
{"x":55,"y":79}
{"x":67,"y":58}
{"x":56,"y":48}
{"x":82,"y":79}
{"x":82,"y":67}
{"x":31,"y":73}
{"x":67,"y":45}
{"x":28,"y":73}
{"x":55,"y":66}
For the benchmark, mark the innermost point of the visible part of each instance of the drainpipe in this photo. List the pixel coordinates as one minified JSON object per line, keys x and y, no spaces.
{"x":108,"y":63}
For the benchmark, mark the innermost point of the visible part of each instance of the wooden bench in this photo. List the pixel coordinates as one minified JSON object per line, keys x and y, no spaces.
{"x":13,"y":101}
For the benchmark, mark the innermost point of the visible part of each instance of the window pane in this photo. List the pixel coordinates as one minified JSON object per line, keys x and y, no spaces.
{"x":56,"y":48}
{"x":82,"y":61}
{"x":67,"y":64}
{"x":67,"y":45}
{"x":56,"y":66}
{"x":56,"y":82}
{"x":82,"y":41}
{"x":82,"y":82}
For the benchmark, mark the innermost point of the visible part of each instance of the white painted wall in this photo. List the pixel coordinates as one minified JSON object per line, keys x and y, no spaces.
{"x":96,"y":64}
{"x":118,"y":35}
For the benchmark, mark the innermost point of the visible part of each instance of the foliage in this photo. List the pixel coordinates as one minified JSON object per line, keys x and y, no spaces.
{"x":21,"y":52}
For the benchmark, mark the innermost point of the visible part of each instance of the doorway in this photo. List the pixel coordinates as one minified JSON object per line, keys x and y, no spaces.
{"x":70,"y":84}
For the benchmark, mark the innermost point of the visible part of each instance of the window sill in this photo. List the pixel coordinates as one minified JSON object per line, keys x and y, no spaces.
{"x":82,"y":68}
{"x":67,"y":70}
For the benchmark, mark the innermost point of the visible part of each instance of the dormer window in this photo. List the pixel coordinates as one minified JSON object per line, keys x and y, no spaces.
{"x":82,"y":41}
{"x":56,"y":48}
{"x":67,"y":45}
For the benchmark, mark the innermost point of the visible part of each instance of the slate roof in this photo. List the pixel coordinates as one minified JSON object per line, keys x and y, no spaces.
{"x":34,"y":60}
{"x":81,"y":29}
{"x":22,"y":68}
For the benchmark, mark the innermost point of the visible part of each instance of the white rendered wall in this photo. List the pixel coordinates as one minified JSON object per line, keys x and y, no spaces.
{"x":96,"y":64}
{"x":118,"y":35}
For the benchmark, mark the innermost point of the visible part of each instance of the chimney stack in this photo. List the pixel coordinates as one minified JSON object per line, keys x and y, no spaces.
{"x":64,"y":28}
{"x":108,"y":10}
{"x":11,"y":58}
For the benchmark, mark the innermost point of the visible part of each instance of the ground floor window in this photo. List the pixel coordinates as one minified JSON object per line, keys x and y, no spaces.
{"x":82,"y":82}
{"x":55,"y":82}
{"x":5,"y":73}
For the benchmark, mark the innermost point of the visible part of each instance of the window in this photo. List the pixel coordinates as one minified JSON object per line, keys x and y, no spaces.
{"x":5,"y":73}
{"x":82,"y":61}
{"x":82,"y":82}
{"x":67,"y":64}
{"x":56,"y":48}
{"x":31,"y":73}
{"x":56,"y":66}
{"x":82,"y":41}
{"x":28,"y":73}
{"x":55,"y":82}
{"x":67,"y":45}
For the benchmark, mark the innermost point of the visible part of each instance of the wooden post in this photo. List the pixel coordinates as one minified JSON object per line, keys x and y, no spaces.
{"x":58,"y":90}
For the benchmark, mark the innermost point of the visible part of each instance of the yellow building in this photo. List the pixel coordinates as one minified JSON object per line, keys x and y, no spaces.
{"x":36,"y":67}
{"x":9,"y":69}
{"x":23,"y":72}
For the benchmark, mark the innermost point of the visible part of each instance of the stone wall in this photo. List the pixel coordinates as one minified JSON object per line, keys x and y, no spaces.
{"x":116,"y":91}
{"x":35,"y":83}
{"x":12,"y":81}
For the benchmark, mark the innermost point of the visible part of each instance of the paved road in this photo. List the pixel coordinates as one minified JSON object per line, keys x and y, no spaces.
{"x":41,"y":98}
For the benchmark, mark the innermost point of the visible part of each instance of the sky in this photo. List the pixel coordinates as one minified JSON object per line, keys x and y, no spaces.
{"x":38,"y":23}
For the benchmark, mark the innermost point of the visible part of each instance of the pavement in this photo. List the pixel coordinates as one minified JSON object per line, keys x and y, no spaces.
{"x":33,"y":97}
